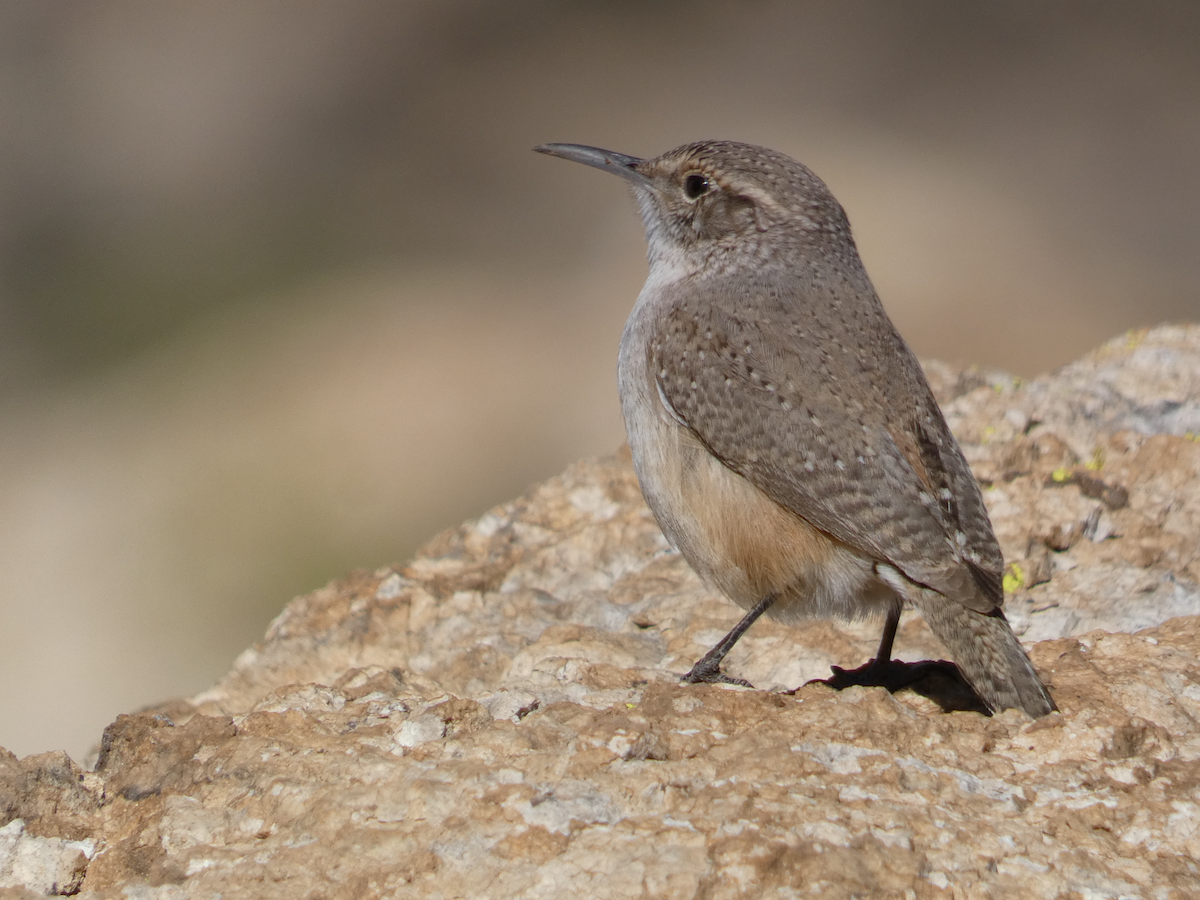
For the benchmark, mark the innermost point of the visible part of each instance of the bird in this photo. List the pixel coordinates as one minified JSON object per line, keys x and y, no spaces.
{"x":783,"y":433}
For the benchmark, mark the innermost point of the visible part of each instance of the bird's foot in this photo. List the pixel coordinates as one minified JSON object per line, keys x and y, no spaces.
{"x":708,"y":671}
{"x":940,"y":681}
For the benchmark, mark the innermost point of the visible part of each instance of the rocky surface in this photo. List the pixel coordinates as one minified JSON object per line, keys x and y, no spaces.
{"x":501,"y":717}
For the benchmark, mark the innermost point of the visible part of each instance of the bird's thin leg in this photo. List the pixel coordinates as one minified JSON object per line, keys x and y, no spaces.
{"x":708,"y":669}
{"x":884,"y":657}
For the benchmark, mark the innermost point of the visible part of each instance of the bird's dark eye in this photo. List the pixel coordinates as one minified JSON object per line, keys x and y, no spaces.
{"x":695,"y":186}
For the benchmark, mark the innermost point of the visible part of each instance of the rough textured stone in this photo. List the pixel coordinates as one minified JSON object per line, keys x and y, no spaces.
{"x":45,"y":865}
{"x":501,"y":717}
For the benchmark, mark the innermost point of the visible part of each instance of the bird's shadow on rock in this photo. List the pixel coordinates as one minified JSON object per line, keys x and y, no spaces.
{"x":940,"y":681}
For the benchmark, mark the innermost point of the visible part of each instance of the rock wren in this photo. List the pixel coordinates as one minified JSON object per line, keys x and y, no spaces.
{"x":783,"y":433}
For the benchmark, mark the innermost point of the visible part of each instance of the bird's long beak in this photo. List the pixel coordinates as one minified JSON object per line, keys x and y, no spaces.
{"x":617,"y":163}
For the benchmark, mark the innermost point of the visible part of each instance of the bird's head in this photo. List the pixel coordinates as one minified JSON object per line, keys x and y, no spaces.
{"x":726,"y":203}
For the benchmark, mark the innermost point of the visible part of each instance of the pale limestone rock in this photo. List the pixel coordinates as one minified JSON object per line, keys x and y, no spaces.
{"x":502,"y":717}
{"x":46,"y":865}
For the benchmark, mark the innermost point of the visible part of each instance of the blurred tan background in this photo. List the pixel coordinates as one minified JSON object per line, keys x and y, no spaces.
{"x":283,"y":291}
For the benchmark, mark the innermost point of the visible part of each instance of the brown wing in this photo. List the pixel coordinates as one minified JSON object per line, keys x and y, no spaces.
{"x":823,"y":407}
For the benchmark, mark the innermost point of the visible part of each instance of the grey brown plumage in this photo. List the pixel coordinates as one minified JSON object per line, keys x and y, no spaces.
{"x":783,"y":432}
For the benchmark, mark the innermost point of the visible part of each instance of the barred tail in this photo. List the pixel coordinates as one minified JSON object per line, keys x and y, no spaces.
{"x":987,"y":653}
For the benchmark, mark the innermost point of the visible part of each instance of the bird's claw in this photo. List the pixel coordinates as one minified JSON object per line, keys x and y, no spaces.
{"x":705,"y":673}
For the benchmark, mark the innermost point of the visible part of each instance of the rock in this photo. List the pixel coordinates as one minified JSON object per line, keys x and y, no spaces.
{"x":44,"y":866}
{"x":502,"y":717}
